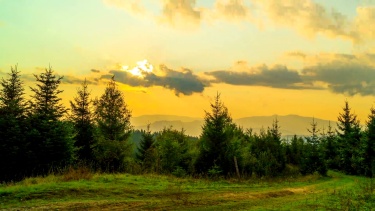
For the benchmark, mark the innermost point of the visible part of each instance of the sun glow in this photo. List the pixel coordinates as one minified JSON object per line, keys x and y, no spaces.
{"x":142,"y":68}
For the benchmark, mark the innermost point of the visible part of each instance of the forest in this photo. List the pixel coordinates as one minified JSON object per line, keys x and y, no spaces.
{"x":39,"y":136}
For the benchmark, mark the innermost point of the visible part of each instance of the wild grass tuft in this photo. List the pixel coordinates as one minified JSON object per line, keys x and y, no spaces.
{"x":76,"y":174}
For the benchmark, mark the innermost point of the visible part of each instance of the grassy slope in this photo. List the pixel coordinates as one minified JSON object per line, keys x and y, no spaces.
{"x":124,"y":191}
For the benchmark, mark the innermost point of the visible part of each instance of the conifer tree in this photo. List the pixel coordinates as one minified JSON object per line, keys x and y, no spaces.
{"x":146,"y":145}
{"x":14,"y":150}
{"x":215,"y":140}
{"x":82,"y":118}
{"x":46,"y":102}
{"x":313,"y":159}
{"x":369,"y":146}
{"x":330,"y":148}
{"x":349,"y":141}
{"x":275,"y":146}
{"x":51,"y":138}
{"x":112,"y":117}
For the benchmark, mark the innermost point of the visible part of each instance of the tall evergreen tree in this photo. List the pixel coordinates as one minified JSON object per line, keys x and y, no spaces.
{"x":349,"y":141}
{"x":275,"y":146}
{"x":51,"y":138}
{"x":82,"y":118}
{"x":313,"y":159}
{"x":112,"y":117}
{"x":14,"y":150}
{"x":46,"y":102}
{"x":369,"y":152}
{"x":330,"y":148}
{"x":145,"y":146}
{"x":214,"y":140}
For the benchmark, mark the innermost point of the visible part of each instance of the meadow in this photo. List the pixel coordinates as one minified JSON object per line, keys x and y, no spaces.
{"x":84,"y":190}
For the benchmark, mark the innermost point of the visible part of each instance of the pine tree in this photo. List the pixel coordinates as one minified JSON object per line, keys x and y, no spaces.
{"x":51,"y":138}
{"x":313,"y":159}
{"x":146,"y":145}
{"x":46,"y":102}
{"x":14,"y":150}
{"x":215,"y":140}
{"x":349,"y":141}
{"x":369,"y":146}
{"x":330,"y":148}
{"x":275,"y":146}
{"x":112,"y":117}
{"x":82,"y":118}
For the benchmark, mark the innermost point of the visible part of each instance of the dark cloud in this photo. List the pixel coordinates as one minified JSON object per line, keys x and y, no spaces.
{"x":278,"y":77}
{"x":68,"y":79}
{"x":344,"y":78}
{"x":95,"y":71}
{"x":181,"y":82}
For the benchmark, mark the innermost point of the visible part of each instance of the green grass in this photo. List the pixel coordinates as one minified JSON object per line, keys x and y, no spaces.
{"x":156,"y":192}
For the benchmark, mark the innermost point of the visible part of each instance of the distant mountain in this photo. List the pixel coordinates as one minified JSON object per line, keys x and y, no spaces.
{"x":289,"y":124}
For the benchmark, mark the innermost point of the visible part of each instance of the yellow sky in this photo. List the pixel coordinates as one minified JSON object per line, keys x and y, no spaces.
{"x":265,"y":57}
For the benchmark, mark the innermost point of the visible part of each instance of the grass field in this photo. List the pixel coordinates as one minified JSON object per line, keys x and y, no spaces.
{"x":155,"y":192}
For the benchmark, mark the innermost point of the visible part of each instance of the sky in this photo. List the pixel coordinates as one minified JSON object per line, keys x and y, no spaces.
{"x":171,"y":57}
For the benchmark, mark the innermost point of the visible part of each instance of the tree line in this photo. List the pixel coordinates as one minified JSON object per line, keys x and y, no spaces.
{"x":40,"y":136}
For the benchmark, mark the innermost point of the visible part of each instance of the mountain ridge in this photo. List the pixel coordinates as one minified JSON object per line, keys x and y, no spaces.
{"x":291,"y":124}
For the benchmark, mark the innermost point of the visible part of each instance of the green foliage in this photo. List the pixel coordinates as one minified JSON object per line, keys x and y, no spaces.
{"x":349,"y":142}
{"x":294,"y":151}
{"x":330,"y":149}
{"x":145,"y":149}
{"x":112,"y":115}
{"x":14,"y":152}
{"x":112,"y":148}
{"x":215,"y":139}
{"x":268,"y":152}
{"x":112,"y":155}
{"x":82,"y":118}
{"x":313,"y":158}
{"x":50,"y":138}
{"x":369,"y":145}
{"x":172,"y":151}
{"x":214,"y":172}
{"x":45,"y":101}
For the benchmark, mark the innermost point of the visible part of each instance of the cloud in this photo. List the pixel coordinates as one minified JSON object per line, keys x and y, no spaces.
{"x":277,"y":77}
{"x":180,"y":13}
{"x":349,"y":78}
{"x":181,"y":82}
{"x":364,"y":24}
{"x":297,"y":54}
{"x":348,"y":74}
{"x":133,"y":7}
{"x":95,"y":71}
{"x":307,"y":17}
{"x":69,"y":79}
{"x":231,"y":9}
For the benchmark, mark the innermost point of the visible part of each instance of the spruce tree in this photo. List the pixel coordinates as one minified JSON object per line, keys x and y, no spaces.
{"x":330,"y":148}
{"x":275,"y":146}
{"x":112,"y":117}
{"x":51,"y":138}
{"x":145,"y":146}
{"x":46,"y":102}
{"x":214,"y":140}
{"x":369,"y":146}
{"x":14,"y":150}
{"x":349,"y":141}
{"x":82,"y":118}
{"x":313,"y":159}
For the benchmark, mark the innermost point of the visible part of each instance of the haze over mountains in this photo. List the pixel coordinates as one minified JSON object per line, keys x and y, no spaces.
{"x":289,"y":124}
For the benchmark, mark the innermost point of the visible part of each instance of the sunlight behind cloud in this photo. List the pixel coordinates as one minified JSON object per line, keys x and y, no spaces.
{"x":142,"y":67}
